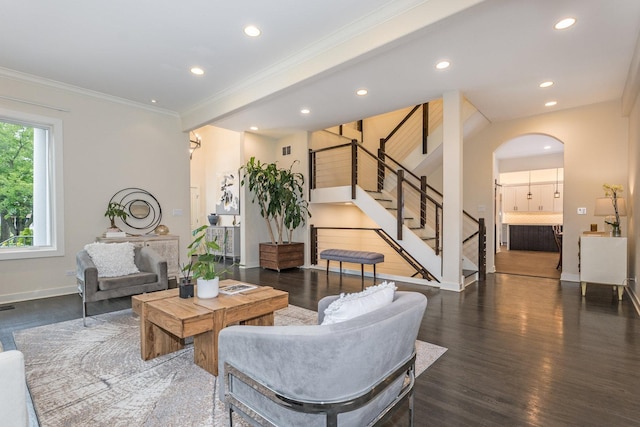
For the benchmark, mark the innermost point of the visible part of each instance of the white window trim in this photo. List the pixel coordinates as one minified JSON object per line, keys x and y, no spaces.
{"x":57,"y":188}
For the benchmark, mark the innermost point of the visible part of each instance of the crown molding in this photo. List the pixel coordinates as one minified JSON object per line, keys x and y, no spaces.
{"x":30,"y":78}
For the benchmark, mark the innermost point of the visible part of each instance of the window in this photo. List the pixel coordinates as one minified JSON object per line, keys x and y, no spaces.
{"x":31,"y":202}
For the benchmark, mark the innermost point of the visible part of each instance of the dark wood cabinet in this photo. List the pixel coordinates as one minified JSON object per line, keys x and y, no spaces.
{"x":532,"y":238}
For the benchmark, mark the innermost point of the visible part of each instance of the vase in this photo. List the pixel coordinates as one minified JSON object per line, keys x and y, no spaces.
{"x":186,"y":288}
{"x":213,"y":219}
{"x":615,"y":231}
{"x":207,"y":288}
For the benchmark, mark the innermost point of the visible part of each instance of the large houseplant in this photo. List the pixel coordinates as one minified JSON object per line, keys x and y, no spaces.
{"x":279,"y":194}
{"x":203,"y":263}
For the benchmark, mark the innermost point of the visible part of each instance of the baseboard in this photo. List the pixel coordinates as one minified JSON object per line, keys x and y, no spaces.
{"x":47,"y":293}
{"x":567,"y":277}
{"x":634,"y":297}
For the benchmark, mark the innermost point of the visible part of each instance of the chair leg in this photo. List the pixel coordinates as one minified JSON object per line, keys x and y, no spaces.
{"x":327,"y":267}
{"x":411,"y":408}
{"x":362,"y":275}
{"x":82,"y":291}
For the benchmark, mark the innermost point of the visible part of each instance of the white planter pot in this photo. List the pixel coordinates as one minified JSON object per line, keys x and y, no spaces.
{"x":207,"y":288}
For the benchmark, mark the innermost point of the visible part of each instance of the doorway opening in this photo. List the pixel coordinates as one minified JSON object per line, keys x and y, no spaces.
{"x":529,"y":195}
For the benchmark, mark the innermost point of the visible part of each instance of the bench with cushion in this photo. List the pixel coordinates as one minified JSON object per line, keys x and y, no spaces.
{"x":356,"y":257}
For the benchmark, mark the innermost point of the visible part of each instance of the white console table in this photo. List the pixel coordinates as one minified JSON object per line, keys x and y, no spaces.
{"x":228,"y":238}
{"x":603,"y":260}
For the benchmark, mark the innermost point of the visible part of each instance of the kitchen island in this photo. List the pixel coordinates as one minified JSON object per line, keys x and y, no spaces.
{"x":532,"y":238}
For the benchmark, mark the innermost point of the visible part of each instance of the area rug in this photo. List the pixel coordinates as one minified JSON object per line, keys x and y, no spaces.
{"x":94,"y":376}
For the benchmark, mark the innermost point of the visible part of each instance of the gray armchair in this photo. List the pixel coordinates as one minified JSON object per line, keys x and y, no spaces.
{"x":349,"y":374}
{"x":152,"y":277}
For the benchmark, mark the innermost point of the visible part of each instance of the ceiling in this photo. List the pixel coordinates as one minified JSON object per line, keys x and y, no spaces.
{"x":529,"y":145}
{"x":315,"y":54}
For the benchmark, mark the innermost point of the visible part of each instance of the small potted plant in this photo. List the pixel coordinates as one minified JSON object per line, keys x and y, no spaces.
{"x":115,"y":210}
{"x":186,"y":285}
{"x":203,"y":263}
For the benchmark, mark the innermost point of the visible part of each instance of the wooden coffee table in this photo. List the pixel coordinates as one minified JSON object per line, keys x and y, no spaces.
{"x":166,"y":320}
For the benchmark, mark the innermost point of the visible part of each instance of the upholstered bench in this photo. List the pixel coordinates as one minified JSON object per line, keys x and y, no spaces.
{"x":356,"y":257}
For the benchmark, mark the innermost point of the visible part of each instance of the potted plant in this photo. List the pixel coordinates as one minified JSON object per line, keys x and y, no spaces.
{"x":203,"y":263}
{"x":115,"y":210}
{"x":279,"y":194}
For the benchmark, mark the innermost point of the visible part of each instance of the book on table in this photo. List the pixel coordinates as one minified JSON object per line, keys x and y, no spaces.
{"x":236,"y":288}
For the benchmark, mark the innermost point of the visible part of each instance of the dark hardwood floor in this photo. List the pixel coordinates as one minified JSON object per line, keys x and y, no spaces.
{"x":528,"y":263}
{"x":518,"y":355}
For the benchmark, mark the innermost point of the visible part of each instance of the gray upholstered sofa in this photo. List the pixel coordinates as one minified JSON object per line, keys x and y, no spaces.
{"x":294,"y":370}
{"x":152,"y":277}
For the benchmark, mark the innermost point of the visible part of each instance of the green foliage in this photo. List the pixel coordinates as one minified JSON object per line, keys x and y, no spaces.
{"x":115,"y":210}
{"x":205,"y":264}
{"x":16,"y":178}
{"x":280,"y":196}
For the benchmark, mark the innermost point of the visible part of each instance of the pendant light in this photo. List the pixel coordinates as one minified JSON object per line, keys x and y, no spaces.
{"x":557,"y":193}
{"x":529,"y":195}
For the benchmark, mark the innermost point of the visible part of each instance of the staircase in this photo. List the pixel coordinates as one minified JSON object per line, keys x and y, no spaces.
{"x":408,"y":211}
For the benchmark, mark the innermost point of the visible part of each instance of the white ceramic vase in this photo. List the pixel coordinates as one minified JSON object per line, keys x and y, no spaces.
{"x":207,"y":288}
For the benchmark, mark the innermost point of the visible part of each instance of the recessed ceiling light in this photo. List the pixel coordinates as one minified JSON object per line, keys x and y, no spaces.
{"x":197,"y":71}
{"x":547,"y":147}
{"x":550,"y":103}
{"x":254,"y":128}
{"x":546,"y":84}
{"x":252,"y":31}
{"x":362,"y":92}
{"x":305,"y":111}
{"x":153,"y":101}
{"x":443,"y":65}
{"x":564,"y":23}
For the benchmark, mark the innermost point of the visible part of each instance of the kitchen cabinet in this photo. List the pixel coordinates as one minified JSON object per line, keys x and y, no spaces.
{"x":557,"y":203}
{"x":542,"y":198}
{"x":532,"y":238}
{"x":515,"y":199}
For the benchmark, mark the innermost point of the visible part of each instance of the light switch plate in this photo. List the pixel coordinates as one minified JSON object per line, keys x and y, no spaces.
{"x":582,"y":211}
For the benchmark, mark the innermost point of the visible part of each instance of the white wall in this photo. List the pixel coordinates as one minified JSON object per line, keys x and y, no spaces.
{"x":220,"y":152}
{"x":253,"y":228}
{"x":108,"y":146}
{"x":634,"y":207}
{"x":595,"y":141}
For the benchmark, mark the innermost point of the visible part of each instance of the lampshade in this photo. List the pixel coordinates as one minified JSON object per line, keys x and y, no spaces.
{"x":604,"y":207}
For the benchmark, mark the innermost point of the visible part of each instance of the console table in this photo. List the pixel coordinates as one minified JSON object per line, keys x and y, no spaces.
{"x":603,"y":260}
{"x":228,"y":238}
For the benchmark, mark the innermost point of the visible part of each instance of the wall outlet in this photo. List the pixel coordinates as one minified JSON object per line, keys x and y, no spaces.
{"x":582,"y":211}
{"x":177,"y":212}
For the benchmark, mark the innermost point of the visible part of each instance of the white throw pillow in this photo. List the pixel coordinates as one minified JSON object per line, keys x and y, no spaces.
{"x":112,"y":259}
{"x":352,"y":305}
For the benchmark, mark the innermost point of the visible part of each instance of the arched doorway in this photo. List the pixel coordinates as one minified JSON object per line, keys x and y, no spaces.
{"x":529,"y":175}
